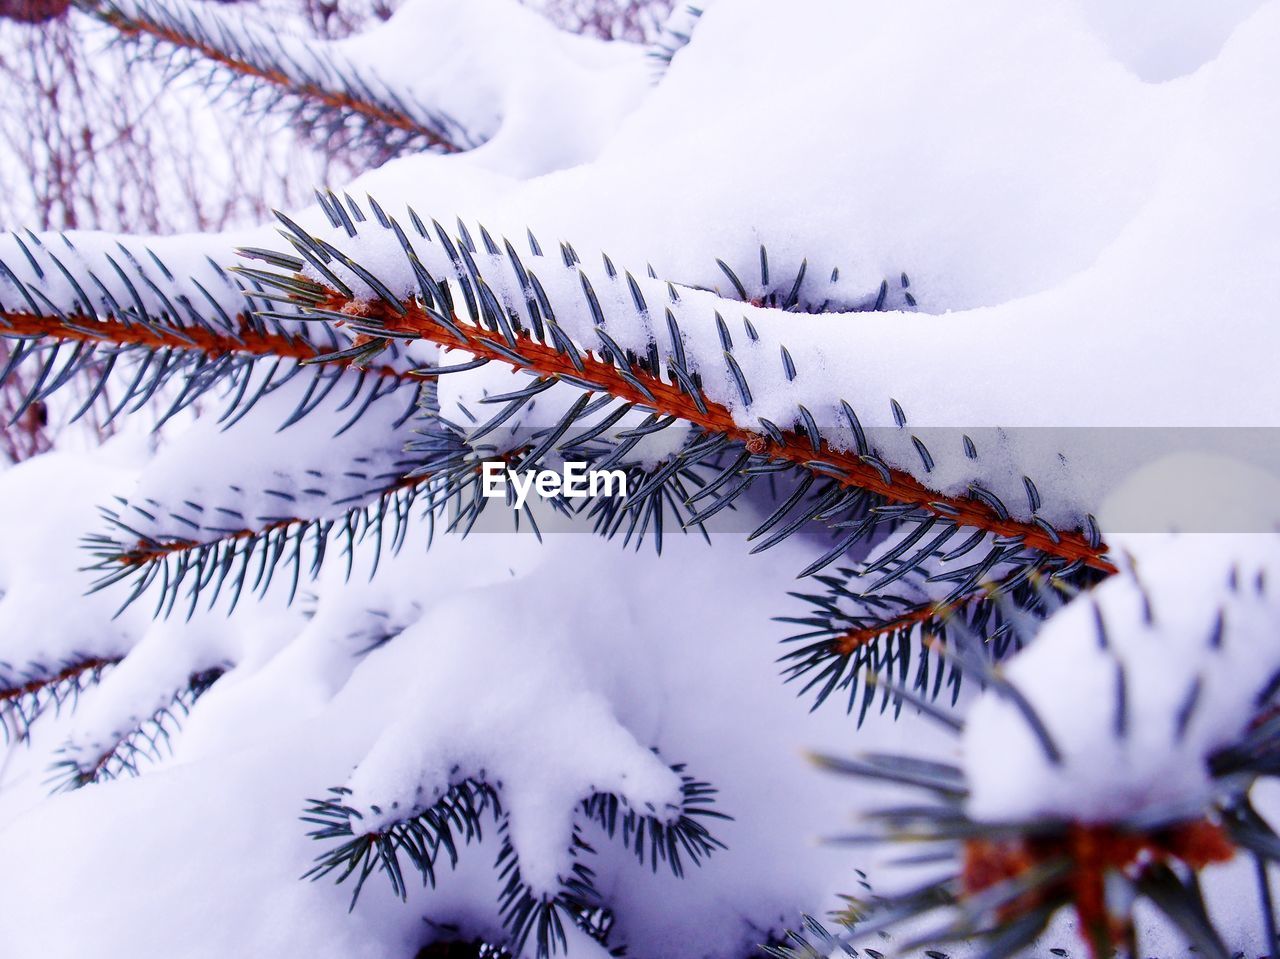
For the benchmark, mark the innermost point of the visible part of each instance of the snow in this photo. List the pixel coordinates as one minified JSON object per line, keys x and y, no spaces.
{"x":496,"y":724}
{"x":1073,"y":215}
{"x":1049,"y":203}
{"x":45,"y":615}
{"x":1160,"y":43}
{"x":191,"y":259}
{"x":494,"y":66}
{"x":316,"y":468}
{"x":654,"y":665}
{"x":1189,"y":630}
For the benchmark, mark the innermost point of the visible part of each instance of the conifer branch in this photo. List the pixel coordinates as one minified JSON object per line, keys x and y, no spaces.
{"x":858,"y":636}
{"x":79,"y":312}
{"x":25,"y":697}
{"x":433,"y":838}
{"x":528,"y":914}
{"x":455,"y":819}
{"x":250,"y":556}
{"x":370,"y":501}
{"x":653,"y":377}
{"x":69,"y":349}
{"x":324,"y":94}
{"x":147,"y":741}
{"x":1005,"y":865}
{"x":246,"y":339}
{"x":414,"y":320}
{"x":1011,"y":878}
{"x":660,"y":497}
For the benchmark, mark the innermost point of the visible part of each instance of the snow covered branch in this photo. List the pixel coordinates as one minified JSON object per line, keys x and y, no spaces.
{"x":193,"y":523}
{"x":93,"y":352}
{"x":431,"y":839}
{"x":444,"y":76}
{"x":691,"y":374}
{"x":25,"y":696}
{"x":1091,"y":783}
{"x":906,"y":294}
{"x":209,"y":566}
{"x":148,"y":740}
{"x":91,"y":313}
{"x":311,"y":83}
{"x":858,"y":626}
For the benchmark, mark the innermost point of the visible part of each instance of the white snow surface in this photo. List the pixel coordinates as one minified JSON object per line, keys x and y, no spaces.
{"x":1189,"y":627}
{"x":499,"y":642}
{"x":1043,"y":198}
{"x":1086,"y":211}
{"x":260,"y":469}
{"x":45,"y":615}
{"x":494,"y":67}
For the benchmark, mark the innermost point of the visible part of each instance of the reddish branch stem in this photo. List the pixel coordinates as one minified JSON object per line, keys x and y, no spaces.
{"x":848,"y":642}
{"x":329,"y":98}
{"x":246,"y":341}
{"x":669,"y":399}
{"x":145,"y":552}
{"x":9,"y":694}
{"x":1092,"y":850}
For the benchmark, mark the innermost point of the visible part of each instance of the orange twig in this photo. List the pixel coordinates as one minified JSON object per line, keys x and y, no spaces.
{"x":329,"y":98}
{"x":246,"y":341}
{"x":9,"y":694}
{"x":144,"y":552}
{"x":846,"y":644}
{"x":669,"y":399}
{"x":1092,"y":851}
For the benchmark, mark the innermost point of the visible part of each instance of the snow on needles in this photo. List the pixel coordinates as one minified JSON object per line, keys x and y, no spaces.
{"x":1137,"y":683}
{"x":992,"y":215}
{"x":495,"y":703}
{"x":1041,"y":199}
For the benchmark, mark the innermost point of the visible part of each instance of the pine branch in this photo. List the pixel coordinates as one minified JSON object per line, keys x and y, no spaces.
{"x":147,"y":741}
{"x":455,"y":819}
{"x":1010,"y":879}
{"x":816,"y":942}
{"x":541,"y":916}
{"x":859,"y":635}
{"x":373,"y":498}
{"x":25,"y":697}
{"x":434,"y":837}
{"x":92,"y":352}
{"x":388,"y":317}
{"x":660,"y":497}
{"x":87,"y":313}
{"x":248,"y":338}
{"x":1087,"y":834}
{"x":250,"y":556}
{"x":803,"y":292}
{"x":646,"y":834}
{"x":319,"y":90}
